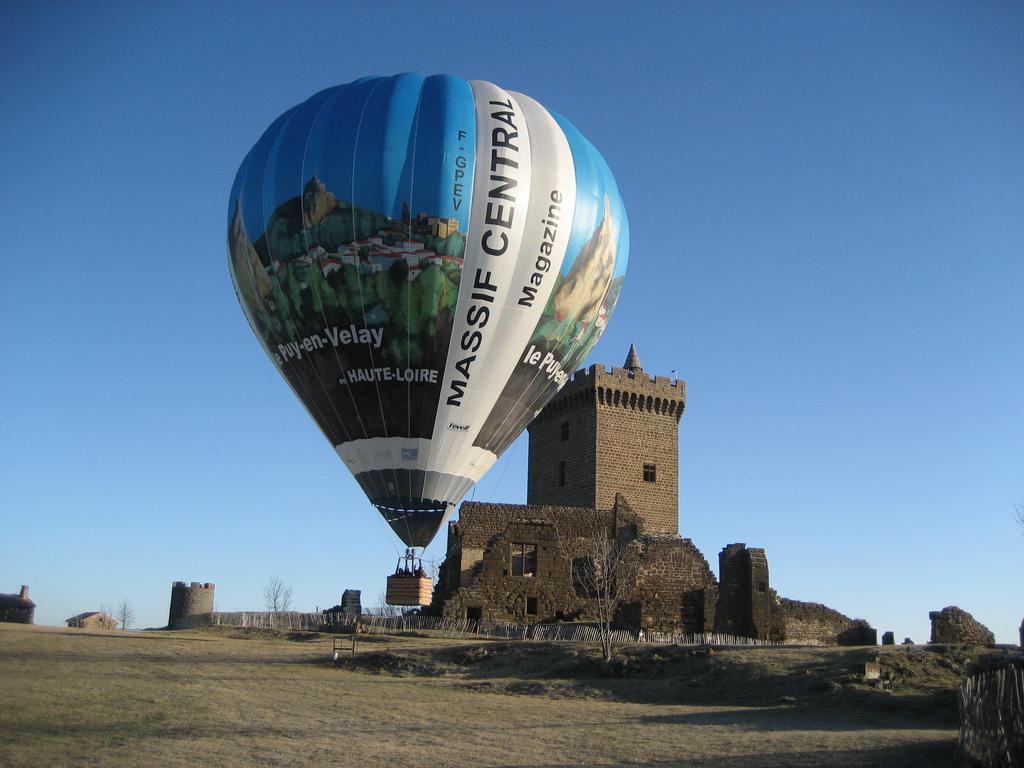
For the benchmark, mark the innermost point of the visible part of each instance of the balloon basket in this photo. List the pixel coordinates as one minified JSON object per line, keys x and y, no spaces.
{"x":409,"y":585}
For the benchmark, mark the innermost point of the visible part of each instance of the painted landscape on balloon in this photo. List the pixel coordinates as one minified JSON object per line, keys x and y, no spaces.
{"x":345,"y":296}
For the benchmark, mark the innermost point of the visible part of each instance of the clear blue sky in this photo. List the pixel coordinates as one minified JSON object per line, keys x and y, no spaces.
{"x":826,"y":203}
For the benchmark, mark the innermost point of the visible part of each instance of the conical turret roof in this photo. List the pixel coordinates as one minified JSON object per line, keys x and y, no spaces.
{"x":633,"y":360}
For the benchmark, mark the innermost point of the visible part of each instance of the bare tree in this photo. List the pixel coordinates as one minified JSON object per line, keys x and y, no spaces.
{"x":107,"y":618}
{"x":1019,"y":509}
{"x":277,"y":595}
{"x":597,"y":572}
{"x":383,"y":609}
{"x":125,"y":613}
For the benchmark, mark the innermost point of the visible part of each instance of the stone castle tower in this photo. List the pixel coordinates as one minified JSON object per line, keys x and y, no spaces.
{"x":189,"y":600}
{"x":607,"y":433}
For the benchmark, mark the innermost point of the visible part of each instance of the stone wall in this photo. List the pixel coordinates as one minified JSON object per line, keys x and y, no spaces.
{"x":955,"y":626}
{"x":493,"y":592}
{"x":668,"y":584}
{"x":475,"y":579}
{"x":562,"y":472}
{"x":480,"y":523}
{"x":817,"y":623}
{"x":189,"y":600}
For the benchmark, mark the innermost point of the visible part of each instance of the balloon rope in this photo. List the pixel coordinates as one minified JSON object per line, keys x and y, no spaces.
{"x":389,"y":532}
{"x":515,"y":447}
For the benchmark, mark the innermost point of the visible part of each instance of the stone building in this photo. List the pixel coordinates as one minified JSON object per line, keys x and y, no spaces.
{"x":517,"y":562}
{"x":189,"y":600}
{"x":92,"y":620}
{"x":604,"y":464}
{"x":17,"y":609}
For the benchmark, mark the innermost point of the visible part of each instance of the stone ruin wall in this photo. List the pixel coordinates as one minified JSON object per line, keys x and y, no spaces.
{"x":671,"y":586}
{"x":474,"y":575}
{"x":479,"y":523}
{"x":955,"y":626}
{"x":817,"y":624}
{"x":496,"y":594}
{"x":747,"y":605}
{"x":189,"y":600}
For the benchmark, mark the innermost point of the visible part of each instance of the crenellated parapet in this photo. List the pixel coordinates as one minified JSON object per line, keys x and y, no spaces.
{"x":619,"y":388}
{"x":190,"y":599}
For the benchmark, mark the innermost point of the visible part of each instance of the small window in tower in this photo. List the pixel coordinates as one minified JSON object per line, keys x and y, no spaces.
{"x":565,"y":431}
{"x":524,"y":559}
{"x":762,"y":587}
{"x":561,"y":473}
{"x":531,"y":606}
{"x":650,"y":473}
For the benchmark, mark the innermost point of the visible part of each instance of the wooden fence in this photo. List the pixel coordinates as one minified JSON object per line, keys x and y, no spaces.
{"x":992,"y":718}
{"x":452,"y":628}
{"x":295,"y":620}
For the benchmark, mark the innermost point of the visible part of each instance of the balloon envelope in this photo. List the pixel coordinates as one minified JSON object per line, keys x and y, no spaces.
{"x":425,"y":260}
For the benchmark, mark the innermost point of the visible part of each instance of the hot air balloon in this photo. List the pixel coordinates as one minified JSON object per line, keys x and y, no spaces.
{"x":425,"y":260}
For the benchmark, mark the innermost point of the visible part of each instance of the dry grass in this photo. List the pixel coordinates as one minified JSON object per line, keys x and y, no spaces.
{"x":232,"y":698}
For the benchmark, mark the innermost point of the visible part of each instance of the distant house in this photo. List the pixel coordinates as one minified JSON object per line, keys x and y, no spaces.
{"x":93,"y":620}
{"x":442,"y":227}
{"x":17,"y":609}
{"x":330,"y":264}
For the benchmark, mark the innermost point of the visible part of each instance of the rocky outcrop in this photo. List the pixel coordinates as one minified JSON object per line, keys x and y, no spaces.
{"x":317,"y":202}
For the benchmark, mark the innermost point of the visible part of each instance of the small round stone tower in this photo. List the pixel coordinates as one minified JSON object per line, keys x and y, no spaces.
{"x":189,"y":600}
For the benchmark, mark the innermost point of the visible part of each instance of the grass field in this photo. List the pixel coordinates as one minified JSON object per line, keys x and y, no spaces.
{"x":242,"y":698}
